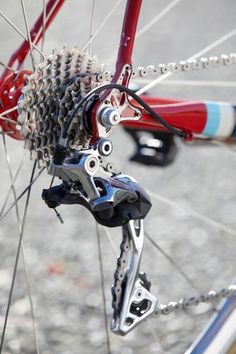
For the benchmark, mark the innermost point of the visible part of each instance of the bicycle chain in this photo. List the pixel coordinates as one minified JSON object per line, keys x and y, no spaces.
{"x":163,"y":309}
{"x":183,"y":304}
{"x":182,"y":66}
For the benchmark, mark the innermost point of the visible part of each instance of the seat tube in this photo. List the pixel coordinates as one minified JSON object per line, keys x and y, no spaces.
{"x":127,"y":37}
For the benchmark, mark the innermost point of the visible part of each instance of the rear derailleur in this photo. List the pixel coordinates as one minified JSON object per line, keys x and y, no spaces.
{"x":114,"y":200}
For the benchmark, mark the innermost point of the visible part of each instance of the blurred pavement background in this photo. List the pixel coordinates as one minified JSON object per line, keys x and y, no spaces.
{"x":63,"y":259}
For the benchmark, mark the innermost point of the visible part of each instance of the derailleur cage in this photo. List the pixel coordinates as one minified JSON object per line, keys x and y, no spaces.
{"x":132,"y":299}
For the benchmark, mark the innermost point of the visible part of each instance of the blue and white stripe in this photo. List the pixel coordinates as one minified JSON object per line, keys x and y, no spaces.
{"x":221,"y":120}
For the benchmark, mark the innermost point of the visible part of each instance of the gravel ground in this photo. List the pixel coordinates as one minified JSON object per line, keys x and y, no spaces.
{"x":63,"y":259}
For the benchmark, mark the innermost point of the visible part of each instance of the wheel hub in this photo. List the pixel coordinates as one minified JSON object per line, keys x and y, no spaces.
{"x":10,"y":91}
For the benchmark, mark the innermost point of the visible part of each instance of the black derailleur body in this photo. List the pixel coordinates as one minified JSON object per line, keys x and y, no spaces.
{"x":121,"y":199}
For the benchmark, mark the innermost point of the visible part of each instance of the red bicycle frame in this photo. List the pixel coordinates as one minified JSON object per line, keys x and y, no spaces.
{"x":194,"y":118}
{"x":204,"y":118}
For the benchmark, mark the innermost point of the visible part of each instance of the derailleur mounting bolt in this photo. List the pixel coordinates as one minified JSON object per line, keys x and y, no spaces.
{"x":105,"y":147}
{"x":109,"y":116}
{"x":91,"y":164}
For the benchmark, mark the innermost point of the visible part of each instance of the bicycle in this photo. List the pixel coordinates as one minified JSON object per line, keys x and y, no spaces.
{"x":83,"y":165}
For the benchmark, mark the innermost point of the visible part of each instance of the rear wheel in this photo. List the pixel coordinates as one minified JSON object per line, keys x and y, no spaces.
{"x":63,"y":259}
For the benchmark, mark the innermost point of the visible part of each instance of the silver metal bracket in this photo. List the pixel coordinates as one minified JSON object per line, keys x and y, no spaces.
{"x":117,"y":107}
{"x":81,"y":169}
{"x":134,"y":302}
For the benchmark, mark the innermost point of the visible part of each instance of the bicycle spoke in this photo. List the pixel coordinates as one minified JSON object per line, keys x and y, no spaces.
{"x":194,"y":214}
{"x":214,"y":44}
{"x":2,"y":114}
{"x":26,"y":270}
{"x":9,"y":132}
{"x":47,"y":15}
{"x":172,"y":261}
{"x":28,"y":34}
{"x":101,"y":25}
{"x":20,"y":32}
{"x":157,"y":18}
{"x":14,"y":179}
{"x":177,"y":267}
{"x":22,"y":194}
{"x":17,"y":257}
{"x":195,"y":56}
{"x":29,"y":291}
{"x":91,"y":27}
{"x":43,"y":25}
{"x":8,"y":120}
{"x":109,"y":238}
{"x":7,"y":67}
{"x":103,"y":289}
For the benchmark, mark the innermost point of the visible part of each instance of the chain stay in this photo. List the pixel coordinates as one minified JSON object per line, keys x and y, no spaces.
{"x":210,"y":297}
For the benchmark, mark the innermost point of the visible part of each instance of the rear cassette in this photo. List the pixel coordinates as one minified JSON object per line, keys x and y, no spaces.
{"x":49,"y":96}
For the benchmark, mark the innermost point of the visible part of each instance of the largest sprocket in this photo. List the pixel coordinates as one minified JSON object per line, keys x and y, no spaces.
{"x":48,"y":98}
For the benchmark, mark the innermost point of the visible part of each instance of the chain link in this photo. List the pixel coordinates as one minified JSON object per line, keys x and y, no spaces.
{"x":182,"y":66}
{"x":210,"y":297}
